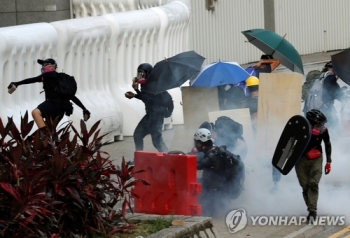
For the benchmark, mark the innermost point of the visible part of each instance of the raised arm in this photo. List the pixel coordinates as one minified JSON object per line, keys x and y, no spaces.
{"x":37,"y":79}
{"x":274,"y":63}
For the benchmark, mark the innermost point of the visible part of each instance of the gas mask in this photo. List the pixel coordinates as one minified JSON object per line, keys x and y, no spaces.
{"x":141,"y":77}
{"x":318,"y":130}
{"x":198,"y":146}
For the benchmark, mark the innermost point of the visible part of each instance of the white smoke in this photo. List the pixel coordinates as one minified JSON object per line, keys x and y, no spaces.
{"x":334,"y":188}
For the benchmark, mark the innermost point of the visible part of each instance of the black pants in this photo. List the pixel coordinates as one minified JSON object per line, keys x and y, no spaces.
{"x":150,"y":124}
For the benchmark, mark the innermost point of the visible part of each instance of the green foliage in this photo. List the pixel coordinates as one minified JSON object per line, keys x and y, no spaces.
{"x":145,"y":227}
{"x":55,"y":185}
{"x":158,"y":224}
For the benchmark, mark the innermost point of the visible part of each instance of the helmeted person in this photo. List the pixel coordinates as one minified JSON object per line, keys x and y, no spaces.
{"x":309,"y":167}
{"x":219,"y":183}
{"x":252,"y":84}
{"x":158,"y":107}
{"x":55,"y":104}
{"x":209,"y":126}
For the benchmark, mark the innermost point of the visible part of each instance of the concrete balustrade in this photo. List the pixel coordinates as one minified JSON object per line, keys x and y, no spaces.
{"x":102,"y":53}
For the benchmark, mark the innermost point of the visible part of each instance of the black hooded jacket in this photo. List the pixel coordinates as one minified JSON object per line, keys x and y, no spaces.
{"x":331,"y":90}
{"x":158,"y":104}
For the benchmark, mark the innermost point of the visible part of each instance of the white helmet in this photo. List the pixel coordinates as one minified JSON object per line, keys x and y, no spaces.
{"x":202,"y":135}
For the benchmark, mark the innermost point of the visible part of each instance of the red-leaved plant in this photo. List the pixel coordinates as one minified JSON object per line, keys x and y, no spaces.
{"x":53,"y":184}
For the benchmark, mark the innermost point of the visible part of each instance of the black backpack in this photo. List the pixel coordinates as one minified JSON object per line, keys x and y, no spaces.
{"x":67,"y":86}
{"x":315,"y":97}
{"x":229,"y":126}
{"x":309,"y":81}
{"x":234,"y":170}
{"x":167,"y":104}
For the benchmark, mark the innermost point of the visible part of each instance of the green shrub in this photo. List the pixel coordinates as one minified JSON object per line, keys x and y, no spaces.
{"x":53,"y":184}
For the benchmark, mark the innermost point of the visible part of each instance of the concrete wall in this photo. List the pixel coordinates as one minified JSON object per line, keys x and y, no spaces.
{"x":18,"y":12}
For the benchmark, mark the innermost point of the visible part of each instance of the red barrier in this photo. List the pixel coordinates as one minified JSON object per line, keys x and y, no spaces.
{"x":174,"y":188}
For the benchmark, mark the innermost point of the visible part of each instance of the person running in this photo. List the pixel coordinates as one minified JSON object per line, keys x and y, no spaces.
{"x":158,"y":107}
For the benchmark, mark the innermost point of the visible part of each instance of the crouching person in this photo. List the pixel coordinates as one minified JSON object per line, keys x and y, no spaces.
{"x":223,"y":174}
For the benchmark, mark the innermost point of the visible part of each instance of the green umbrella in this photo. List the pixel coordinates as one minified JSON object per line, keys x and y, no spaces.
{"x":273,"y":44}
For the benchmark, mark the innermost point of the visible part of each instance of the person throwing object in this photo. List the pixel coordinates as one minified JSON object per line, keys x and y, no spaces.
{"x":57,"y":103}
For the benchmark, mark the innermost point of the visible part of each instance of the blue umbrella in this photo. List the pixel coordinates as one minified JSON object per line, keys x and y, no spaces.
{"x":220,"y":73}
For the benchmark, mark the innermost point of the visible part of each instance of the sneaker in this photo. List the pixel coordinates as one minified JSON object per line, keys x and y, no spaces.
{"x":312,"y":216}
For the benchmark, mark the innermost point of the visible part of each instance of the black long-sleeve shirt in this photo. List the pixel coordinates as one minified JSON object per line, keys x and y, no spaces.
{"x":50,"y":80}
{"x":158,"y":104}
{"x":315,"y":143}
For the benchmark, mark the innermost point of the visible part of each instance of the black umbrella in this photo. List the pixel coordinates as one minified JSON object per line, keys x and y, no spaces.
{"x":341,"y":65}
{"x":173,"y":72}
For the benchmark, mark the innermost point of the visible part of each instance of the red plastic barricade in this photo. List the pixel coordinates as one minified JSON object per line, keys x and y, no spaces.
{"x":173,"y":187}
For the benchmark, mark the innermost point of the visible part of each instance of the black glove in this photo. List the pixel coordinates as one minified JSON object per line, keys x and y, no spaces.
{"x":86,"y":114}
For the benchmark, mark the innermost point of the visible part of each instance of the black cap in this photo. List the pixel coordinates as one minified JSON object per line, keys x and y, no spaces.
{"x":328,"y":65}
{"x":47,"y":61}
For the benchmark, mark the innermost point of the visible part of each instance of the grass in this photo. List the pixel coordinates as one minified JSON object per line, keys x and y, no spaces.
{"x":144,"y":228}
{"x":147,"y":227}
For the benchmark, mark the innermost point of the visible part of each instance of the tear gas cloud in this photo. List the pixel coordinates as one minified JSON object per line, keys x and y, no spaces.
{"x":287,"y":200}
{"x":257,"y":199}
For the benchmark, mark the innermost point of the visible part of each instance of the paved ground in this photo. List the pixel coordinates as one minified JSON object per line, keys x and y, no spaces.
{"x":125,"y":149}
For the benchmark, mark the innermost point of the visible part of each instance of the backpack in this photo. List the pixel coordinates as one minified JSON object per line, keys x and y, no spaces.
{"x":67,"y":86}
{"x":228,"y":125}
{"x":234,"y":170}
{"x":309,"y":80}
{"x":314,"y":100}
{"x":167,"y":104}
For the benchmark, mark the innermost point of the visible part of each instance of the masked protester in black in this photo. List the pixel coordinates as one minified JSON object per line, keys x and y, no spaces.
{"x":55,"y":105}
{"x":219,"y":186}
{"x":158,"y":107}
{"x":331,"y":91}
{"x":309,"y":166}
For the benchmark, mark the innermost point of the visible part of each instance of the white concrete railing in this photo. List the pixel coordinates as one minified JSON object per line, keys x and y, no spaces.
{"x":102,"y":53}
{"x":88,"y":8}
